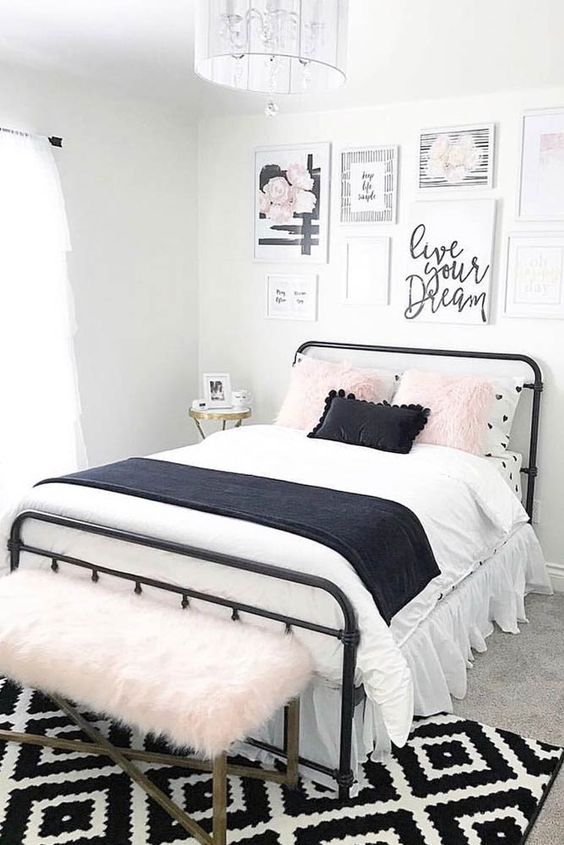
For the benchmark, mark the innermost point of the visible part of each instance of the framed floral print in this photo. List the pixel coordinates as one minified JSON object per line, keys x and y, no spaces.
{"x":541,"y":192}
{"x":457,"y":157}
{"x":291,"y":210}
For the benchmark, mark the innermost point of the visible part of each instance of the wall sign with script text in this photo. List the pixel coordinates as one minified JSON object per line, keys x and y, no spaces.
{"x":369,"y":185}
{"x":534,"y":282}
{"x":291,"y":297}
{"x":449,"y":261}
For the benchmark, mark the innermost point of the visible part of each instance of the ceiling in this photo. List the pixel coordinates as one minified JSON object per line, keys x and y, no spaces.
{"x":399,"y":49}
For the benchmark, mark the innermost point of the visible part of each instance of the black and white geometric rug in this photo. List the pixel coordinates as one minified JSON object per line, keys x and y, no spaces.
{"x":455,"y":783}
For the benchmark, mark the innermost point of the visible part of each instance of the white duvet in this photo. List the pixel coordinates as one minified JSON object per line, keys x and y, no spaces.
{"x":464,"y":505}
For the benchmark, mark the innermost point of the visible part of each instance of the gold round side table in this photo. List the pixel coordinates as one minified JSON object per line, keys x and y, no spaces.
{"x":224,"y":415}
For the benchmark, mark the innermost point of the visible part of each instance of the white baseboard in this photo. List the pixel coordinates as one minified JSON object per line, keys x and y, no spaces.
{"x":556,"y":572}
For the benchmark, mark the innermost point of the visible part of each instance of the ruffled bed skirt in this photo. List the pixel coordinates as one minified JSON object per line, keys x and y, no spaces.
{"x":439,"y":652}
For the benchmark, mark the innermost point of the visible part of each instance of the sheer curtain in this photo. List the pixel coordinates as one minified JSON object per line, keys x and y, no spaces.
{"x":40,"y":431}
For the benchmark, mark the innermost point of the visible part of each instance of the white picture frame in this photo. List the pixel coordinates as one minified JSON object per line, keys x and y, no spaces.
{"x":369,"y":185}
{"x":291,"y":203}
{"x":367,"y":271}
{"x":217,"y":390}
{"x":291,"y":297}
{"x":449,"y":261}
{"x":541,"y":181}
{"x":534,"y":275}
{"x":456,"y":158}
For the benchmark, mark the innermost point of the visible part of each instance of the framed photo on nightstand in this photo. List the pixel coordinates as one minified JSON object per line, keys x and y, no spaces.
{"x":217,"y":390}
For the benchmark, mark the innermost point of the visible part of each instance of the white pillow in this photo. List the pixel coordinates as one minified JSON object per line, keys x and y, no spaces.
{"x":509,"y":466}
{"x":507,"y":392}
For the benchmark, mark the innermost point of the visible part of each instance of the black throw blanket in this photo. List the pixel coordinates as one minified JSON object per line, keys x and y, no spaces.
{"x":383,"y":541}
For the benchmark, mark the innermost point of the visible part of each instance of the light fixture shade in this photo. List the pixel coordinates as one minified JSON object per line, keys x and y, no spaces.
{"x":272,"y":46}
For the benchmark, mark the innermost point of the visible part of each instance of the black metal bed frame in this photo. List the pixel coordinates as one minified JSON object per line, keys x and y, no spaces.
{"x":348,"y":634}
{"x":531,"y":470}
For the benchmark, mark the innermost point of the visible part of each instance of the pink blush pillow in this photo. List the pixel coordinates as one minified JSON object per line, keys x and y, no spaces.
{"x":311,"y":382}
{"x":459,"y":407}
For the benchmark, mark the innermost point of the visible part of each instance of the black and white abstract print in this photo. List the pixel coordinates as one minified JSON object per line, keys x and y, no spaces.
{"x":457,"y":157}
{"x":292,"y":203}
{"x":456,"y":782}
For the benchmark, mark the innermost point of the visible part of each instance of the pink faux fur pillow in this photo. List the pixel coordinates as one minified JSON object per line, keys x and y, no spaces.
{"x":311,"y":382}
{"x":459,"y":408}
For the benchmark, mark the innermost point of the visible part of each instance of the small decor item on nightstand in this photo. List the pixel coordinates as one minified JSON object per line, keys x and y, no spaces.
{"x":241,"y":399}
{"x":199,"y":405}
{"x":217,"y":390}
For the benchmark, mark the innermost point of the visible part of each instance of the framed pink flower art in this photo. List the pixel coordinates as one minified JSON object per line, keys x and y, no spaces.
{"x":292,"y":203}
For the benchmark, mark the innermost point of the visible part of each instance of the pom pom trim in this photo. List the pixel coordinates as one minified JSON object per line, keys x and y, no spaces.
{"x":341,"y":394}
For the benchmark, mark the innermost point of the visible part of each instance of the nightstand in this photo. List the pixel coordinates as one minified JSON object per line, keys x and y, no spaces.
{"x":224,"y":415}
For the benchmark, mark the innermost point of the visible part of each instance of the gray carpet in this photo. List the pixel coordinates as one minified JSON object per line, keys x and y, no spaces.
{"x":519,"y":685}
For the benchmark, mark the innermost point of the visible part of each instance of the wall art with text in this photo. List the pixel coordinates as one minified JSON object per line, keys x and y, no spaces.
{"x":534,"y":281}
{"x":449,"y":261}
{"x":369,"y":185}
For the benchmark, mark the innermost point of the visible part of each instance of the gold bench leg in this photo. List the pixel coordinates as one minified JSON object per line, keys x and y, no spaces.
{"x":183,"y":819}
{"x":293,"y":743}
{"x":123,"y":757}
{"x":220,"y":800}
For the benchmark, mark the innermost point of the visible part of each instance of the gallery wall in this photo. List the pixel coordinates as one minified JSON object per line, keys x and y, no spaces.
{"x":127,"y":170}
{"x":235,"y":334}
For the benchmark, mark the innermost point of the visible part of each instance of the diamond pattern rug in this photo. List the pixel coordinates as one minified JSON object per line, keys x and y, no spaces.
{"x":456,"y":782}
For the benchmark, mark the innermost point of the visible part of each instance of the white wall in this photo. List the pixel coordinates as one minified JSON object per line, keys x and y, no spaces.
{"x":128,"y":173}
{"x":234,"y":334}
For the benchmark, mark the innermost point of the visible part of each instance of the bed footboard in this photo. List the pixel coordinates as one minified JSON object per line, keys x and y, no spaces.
{"x":348,"y":634}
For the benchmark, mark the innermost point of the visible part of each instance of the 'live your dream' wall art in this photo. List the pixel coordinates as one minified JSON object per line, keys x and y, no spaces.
{"x":449,"y":265}
{"x":292,"y":203}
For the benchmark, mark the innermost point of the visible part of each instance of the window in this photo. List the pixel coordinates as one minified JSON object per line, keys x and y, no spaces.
{"x":39,"y":417}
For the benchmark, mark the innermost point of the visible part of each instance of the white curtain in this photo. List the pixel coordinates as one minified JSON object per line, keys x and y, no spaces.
{"x":40,"y":431}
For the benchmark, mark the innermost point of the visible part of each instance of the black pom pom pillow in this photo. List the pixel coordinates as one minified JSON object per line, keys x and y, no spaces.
{"x":390,"y":428}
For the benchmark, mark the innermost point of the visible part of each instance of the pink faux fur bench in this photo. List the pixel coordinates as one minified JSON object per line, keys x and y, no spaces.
{"x":199,"y":681}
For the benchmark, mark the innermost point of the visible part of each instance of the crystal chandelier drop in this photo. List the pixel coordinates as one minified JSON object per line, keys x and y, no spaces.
{"x":272,"y":46}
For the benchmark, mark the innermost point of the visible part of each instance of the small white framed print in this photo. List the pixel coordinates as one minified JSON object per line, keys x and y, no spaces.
{"x":367,"y":276}
{"x":534,"y":280}
{"x":541,"y":189}
{"x":369,"y":185}
{"x":457,"y":157}
{"x":217,"y":390}
{"x":291,"y":297}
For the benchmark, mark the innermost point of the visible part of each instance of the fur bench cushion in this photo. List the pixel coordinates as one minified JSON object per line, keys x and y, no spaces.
{"x":198,"y":680}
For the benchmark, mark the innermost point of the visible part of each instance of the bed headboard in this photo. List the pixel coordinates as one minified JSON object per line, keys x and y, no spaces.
{"x":465,"y":362}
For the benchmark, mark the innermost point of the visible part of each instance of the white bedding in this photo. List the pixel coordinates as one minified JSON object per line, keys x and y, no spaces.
{"x":465,"y":506}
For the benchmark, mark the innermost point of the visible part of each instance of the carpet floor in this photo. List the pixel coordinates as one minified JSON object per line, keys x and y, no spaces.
{"x":519,"y":686}
{"x":455,"y":782}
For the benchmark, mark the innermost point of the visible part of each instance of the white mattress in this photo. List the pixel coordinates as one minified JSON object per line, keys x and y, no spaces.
{"x":465,"y":507}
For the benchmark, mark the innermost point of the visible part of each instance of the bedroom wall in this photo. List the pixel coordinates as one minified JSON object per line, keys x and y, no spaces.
{"x":127,"y":170}
{"x":235,"y":335}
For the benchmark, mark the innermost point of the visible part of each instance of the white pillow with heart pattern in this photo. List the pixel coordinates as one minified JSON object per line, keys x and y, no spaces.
{"x":507,"y":392}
